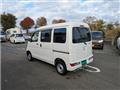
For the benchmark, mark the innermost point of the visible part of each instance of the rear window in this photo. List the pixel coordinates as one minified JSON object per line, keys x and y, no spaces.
{"x":97,"y":35}
{"x":81,"y":34}
{"x":19,"y":35}
{"x":60,"y":35}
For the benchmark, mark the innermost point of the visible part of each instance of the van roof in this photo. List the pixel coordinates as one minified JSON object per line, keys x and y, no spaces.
{"x":63,"y":24}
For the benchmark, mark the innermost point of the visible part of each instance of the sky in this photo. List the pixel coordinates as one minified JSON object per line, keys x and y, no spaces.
{"x":70,"y":10}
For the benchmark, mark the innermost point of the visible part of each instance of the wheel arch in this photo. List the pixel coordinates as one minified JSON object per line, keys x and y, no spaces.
{"x":28,"y":52}
{"x":59,"y":60}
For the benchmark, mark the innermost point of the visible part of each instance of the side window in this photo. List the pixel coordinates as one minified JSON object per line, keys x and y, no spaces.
{"x":46,"y":35}
{"x":35,"y":37}
{"x":60,"y":35}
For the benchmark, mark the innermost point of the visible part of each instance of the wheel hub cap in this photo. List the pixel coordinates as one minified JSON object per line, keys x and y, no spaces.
{"x":60,"y":68}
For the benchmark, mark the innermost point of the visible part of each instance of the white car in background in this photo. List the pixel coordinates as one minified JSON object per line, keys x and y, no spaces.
{"x":27,"y":37}
{"x":12,"y":31}
{"x":17,"y":38}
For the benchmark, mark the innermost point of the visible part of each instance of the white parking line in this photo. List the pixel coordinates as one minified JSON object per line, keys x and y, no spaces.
{"x":88,"y":66}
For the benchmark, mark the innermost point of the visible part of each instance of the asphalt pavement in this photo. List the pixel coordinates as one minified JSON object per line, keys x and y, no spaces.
{"x":19,"y":74}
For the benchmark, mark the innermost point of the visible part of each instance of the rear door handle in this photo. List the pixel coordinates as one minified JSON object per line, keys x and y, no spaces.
{"x":40,"y":45}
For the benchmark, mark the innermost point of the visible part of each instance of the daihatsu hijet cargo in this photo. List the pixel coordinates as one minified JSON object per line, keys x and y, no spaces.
{"x":67,"y":46}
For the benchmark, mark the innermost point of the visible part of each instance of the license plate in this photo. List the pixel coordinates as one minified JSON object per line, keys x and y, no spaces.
{"x":84,"y":62}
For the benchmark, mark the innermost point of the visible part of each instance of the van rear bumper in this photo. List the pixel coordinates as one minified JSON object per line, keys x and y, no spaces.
{"x":72,"y":68}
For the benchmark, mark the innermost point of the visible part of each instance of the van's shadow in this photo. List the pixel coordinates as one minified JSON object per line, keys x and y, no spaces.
{"x":70,"y":75}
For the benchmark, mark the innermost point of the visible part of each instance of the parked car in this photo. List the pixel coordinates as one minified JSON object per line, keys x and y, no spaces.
{"x":67,"y":46}
{"x":27,"y":37}
{"x":97,"y":39}
{"x":17,"y":38}
{"x":12,"y":31}
{"x":2,"y":36}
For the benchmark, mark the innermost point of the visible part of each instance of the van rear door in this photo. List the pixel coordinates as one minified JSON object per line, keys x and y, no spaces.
{"x":81,"y":44}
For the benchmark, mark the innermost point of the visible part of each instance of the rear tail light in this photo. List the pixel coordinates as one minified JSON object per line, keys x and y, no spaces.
{"x":74,"y":64}
{"x":90,"y":58}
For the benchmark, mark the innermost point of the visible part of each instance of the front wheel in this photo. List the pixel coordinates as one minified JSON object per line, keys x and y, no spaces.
{"x":29,"y":56}
{"x":61,"y":68}
{"x":10,"y":41}
{"x":14,"y":42}
{"x":102,"y":48}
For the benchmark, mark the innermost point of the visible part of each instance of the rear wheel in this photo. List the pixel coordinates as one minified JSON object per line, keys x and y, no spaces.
{"x":61,"y":68}
{"x":29,"y":56}
{"x":14,"y":42}
{"x":10,"y":41}
{"x":102,"y":48}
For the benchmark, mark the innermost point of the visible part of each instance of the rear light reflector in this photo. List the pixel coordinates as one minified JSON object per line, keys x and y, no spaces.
{"x":74,"y":64}
{"x":90,"y":58}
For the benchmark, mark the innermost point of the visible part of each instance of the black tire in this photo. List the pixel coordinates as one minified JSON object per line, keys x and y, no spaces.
{"x":29,"y":56}
{"x":116,"y":46}
{"x":61,"y":68}
{"x":102,"y":48}
{"x":10,"y":41}
{"x":14,"y":42}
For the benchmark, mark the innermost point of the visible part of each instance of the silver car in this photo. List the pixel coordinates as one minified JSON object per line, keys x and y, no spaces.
{"x":2,"y":36}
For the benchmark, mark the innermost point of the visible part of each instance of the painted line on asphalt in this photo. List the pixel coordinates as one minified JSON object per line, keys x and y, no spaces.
{"x":95,"y":69}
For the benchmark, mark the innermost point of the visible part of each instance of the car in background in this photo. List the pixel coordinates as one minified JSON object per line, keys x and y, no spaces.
{"x":26,"y":37}
{"x":12,"y":31}
{"x":2,"y":36}
{"x":17,"y":38}
{"x":97,"y":39}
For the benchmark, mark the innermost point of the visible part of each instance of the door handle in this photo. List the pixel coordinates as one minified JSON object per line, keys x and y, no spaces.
{"x":40,"y":45}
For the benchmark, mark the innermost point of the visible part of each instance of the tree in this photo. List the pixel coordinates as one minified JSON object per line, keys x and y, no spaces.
{"x":90,"y":20}
{"x":27,"y":23}
{"x":100,"y":25}
{"x":8,"y":21}
{"x":58,"y":21}
{"x":117,"y":24}
{"x":41,"y":21}
{"x":110,"y":26}
{"x":54,"y":21}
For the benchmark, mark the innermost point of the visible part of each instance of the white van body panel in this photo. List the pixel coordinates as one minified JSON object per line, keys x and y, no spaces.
{"x":33,"y":48}
{"x":46,"y":53}
{"x":62,"y":47}
{"x":68,"y":51}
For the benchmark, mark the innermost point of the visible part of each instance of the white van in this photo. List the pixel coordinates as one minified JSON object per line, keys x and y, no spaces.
{"x":67,"y":46}
{"x":12,"y":31}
